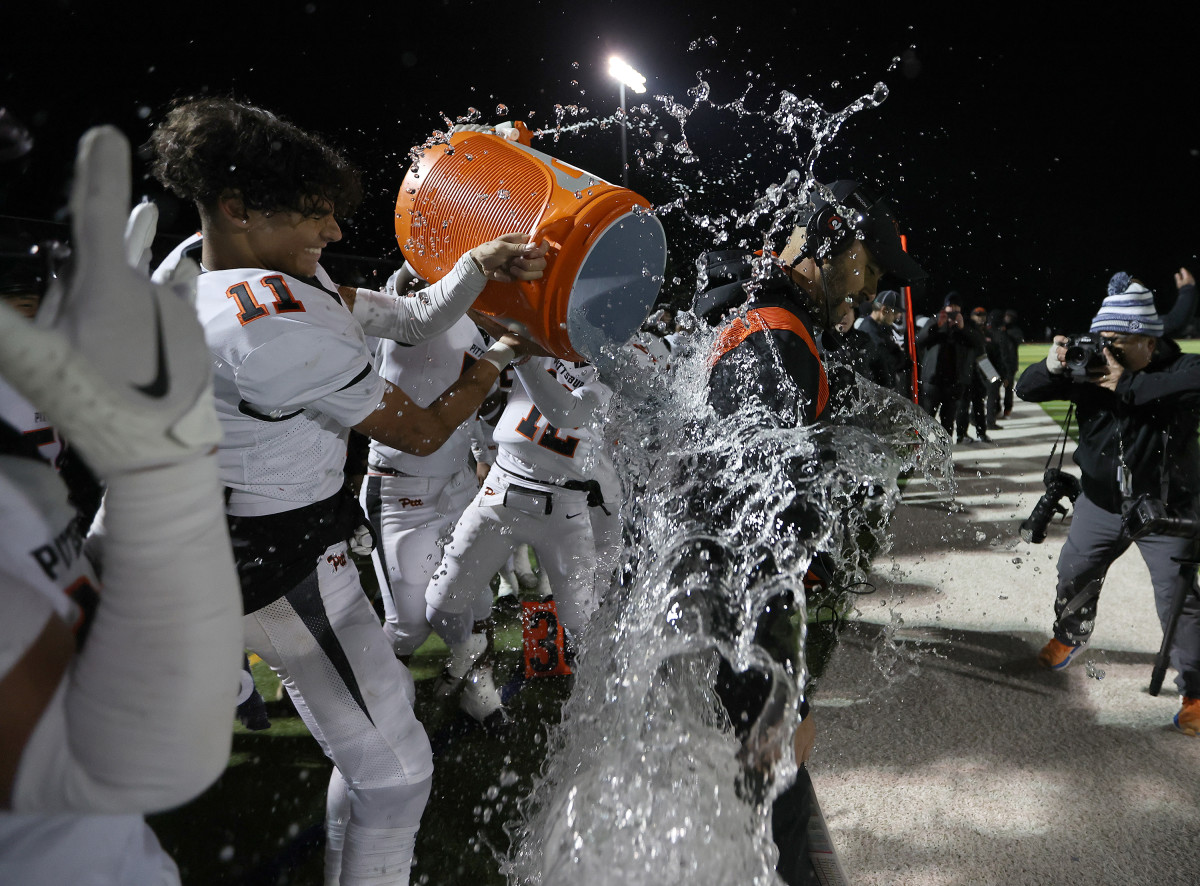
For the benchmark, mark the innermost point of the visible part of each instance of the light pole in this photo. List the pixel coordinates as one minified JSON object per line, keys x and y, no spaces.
{"x":626,"y":76}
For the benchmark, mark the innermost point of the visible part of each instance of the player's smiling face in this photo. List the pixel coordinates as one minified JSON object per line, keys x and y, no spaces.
{"x":291,"y":242}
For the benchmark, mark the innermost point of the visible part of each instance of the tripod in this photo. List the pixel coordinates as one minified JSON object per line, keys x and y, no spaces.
{"x":1163,"y":659}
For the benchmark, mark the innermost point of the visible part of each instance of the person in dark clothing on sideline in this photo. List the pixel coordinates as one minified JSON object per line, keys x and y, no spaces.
{"x":1138,"y":420}
{"x":972,"y":408}
{"x":946,"y":367}
{"x":1016,"y":336}
{"x":1006,"y":360}
{"x":851,"y":347}
{"x":878,"y":326}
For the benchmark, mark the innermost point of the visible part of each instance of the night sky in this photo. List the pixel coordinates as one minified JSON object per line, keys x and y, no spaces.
{"x":1028,"y":157}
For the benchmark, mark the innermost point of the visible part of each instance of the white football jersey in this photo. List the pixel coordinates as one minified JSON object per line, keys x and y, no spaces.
{"x":530,"y":446}
{"x":424,"y":371}
{"x":25,"y":417}
{"x":44,"y":563}
{"x":291,"y":374}
{"x":42,"y":573}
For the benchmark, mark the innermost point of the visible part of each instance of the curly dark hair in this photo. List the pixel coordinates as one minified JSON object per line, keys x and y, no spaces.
{"x":206,"y":147}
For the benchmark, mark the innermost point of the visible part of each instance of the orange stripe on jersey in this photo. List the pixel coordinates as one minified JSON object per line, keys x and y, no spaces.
{"x":763,"y":320}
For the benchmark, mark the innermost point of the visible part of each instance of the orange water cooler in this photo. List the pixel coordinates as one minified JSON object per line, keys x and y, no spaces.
{"x":607,"y":251}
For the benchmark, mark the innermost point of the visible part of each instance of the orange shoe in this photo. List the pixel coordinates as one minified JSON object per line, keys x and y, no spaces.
{"x":1056,"y":655}
{"x":1187,"y":720}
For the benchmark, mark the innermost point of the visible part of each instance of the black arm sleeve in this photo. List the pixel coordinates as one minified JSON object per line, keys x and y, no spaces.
{"x":1037,"y":384}
{"x":1140,"y":388}
{"x":1177,"y":319}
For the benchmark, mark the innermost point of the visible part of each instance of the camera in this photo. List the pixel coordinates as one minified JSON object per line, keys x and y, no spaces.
{"x":1085,"y":354}
{"x":1059,"y":485}
{"x":1149,"y":516}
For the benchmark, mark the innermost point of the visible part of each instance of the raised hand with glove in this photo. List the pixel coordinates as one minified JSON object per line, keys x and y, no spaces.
{"x":119,"y":365}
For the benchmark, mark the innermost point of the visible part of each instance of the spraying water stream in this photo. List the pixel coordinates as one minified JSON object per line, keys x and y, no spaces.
{"x":645,"y":781}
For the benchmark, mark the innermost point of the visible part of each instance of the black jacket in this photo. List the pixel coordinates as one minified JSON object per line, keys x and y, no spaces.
{"x":1008,"y":343}
{"x":1162,"y":400}
{"x":950,"y":354}
{"x":897,"y":360}
{"x":857,"y":351}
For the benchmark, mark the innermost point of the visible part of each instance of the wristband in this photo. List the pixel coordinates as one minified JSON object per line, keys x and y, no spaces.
{"x":499,"y":355}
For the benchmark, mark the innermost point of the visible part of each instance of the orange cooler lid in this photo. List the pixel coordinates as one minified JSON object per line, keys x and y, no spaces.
{"x":617,"y":283}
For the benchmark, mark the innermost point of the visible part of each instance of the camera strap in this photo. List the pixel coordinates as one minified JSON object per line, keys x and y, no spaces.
{"x":1164,"y":476}
{"x":1063,"y":438}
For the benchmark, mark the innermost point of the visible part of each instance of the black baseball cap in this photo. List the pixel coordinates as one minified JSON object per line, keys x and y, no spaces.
{"x":889,"y":298}
{"x":876,"y":222}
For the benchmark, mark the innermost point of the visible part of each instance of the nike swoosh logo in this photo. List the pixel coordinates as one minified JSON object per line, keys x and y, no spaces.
{"x":161,"y":384}
{"x":573,"y":516}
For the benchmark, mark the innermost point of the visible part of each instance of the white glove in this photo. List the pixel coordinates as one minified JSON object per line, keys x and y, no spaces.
{"x":139,"y":236}
{"x":118,"y":364}
{"x":1054,"y":365}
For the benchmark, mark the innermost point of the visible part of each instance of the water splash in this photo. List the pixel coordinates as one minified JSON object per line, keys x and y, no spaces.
{"x":645,"y":781}
{"x":799,"y":128}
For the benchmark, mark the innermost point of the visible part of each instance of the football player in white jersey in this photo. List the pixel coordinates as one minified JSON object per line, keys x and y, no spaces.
{"x":414,"y":501}
{"x":23,"y":280}
{"x":540,"y":491}
{"x":292,"y":376}
{"x":27,"y":270}
{"x":90,"y":739}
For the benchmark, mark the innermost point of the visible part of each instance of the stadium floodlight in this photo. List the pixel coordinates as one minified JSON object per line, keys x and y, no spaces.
{"x":620,"y":69}
{"x":623,"y":73}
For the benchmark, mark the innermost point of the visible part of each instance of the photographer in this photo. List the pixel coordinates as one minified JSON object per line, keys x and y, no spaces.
{"x":1137,"y":398}
{"x":946,"y":369}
